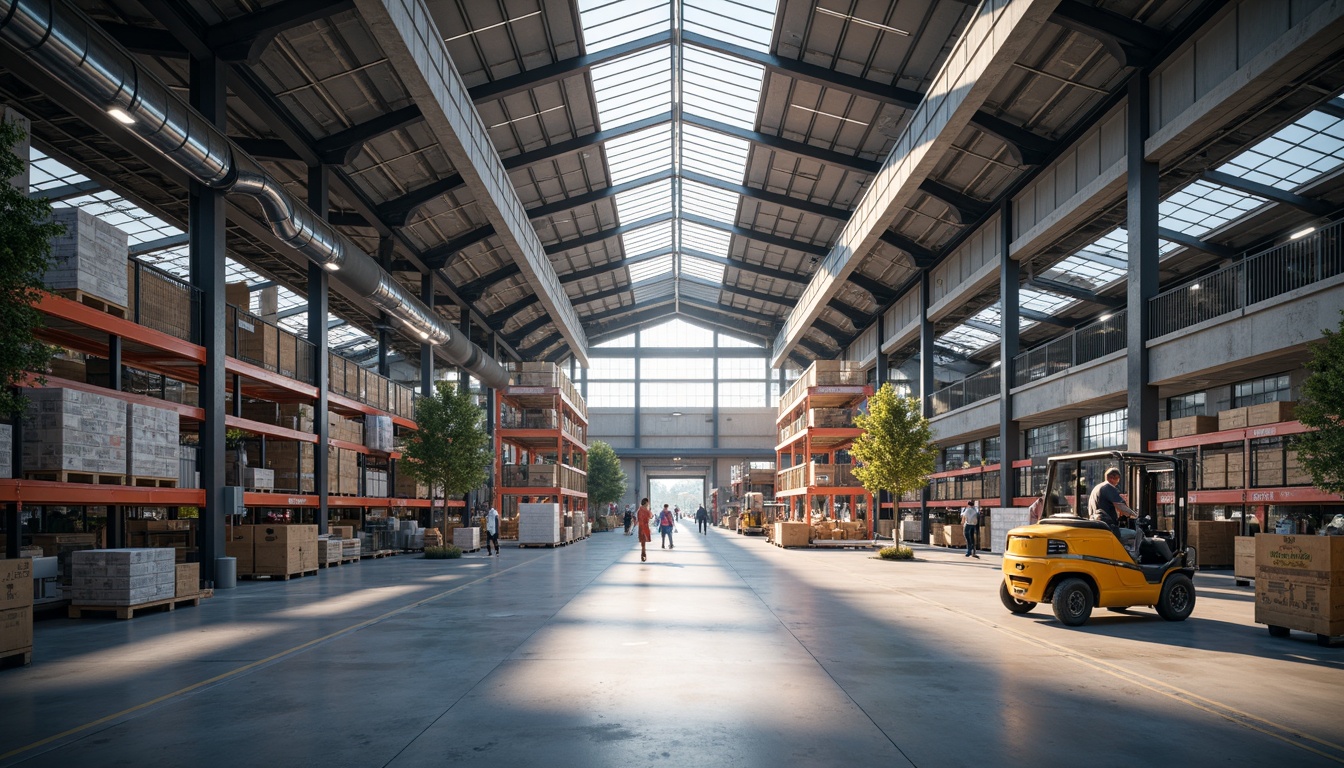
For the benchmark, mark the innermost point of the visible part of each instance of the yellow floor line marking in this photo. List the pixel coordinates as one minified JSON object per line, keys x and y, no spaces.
{"x":253,"y":665}
{"x":1216,"y":708}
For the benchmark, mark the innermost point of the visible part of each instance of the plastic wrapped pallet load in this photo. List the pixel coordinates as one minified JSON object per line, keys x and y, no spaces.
{"x":467,"y":539}
{"x":539,"y":524}
{"x":329,"y":550}
{"x":71,"y":431}
{"x":89,"y":257}
{"x":123,"y":577}
{"x":152,"y":448}
{"x":378,"y":433}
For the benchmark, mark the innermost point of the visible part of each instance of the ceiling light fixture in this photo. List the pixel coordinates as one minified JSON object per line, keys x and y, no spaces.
{"x":1301,"y":233}
{"x":863,"y":22}
{"x":1194,"y":287}
{"x":121,"y":115}
{"x":492,"y":26}
{"x":826,"y":114}
{"x":1105,"y":317}
{"x":332,"y":266}
{"x":524,"y":117}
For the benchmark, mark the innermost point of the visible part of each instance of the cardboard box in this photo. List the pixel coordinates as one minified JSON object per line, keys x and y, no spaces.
{"x":239,"y":295}
{"x":1213,"y":471}
{"x":188,"y":579}
{"x":792,"y":534}
{"x":1193,"y":425}
{"x":341,"y":531}
{"x":16,"y":628}
{"x":284,"y":549}
{"x":1163,"y":430}
{"x":1299,"y":582}
{"x":1293,"y":472}
{"x":1270,"y":413}
{"x":258,"y":342}
{"x":1232,"y":418}
{"x":288,"y":353}
{"x":1236,"y":470}
{"x":68,"y":430}
{"x":1243,"y":554}
{"x":238,"y":545}
{"x":467,"y":538}
{"x":16,"y":583}
{"x":1213,"y":541}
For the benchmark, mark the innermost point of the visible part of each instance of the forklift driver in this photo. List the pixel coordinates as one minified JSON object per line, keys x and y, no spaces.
{"x":1106,"y":505}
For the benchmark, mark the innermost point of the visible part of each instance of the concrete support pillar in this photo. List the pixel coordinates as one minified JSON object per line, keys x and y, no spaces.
{"x":206,"y":227}
{"x":319,"y":188}
{"x":927,"y":383}
{"x":1141,"y":221}
{"x":1009,"y":288}
{"x":638,"y":376}
{"x":268,"y":303}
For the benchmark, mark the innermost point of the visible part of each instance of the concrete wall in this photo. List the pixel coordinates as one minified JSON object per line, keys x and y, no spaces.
{"x":902,"y":320}
{"x":1099,"y":379}
{"x":963,"y":422}
{"x":864,"y":348}
{"x":970,"y":268}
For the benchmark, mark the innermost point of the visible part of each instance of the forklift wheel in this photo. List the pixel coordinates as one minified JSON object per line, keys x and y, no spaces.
{"x":1323,"y":640}
{"x":1072,"y":602}
{"x":1014,"y":606}
{"x":1177,"y":600}
{"x":1278,"y":631}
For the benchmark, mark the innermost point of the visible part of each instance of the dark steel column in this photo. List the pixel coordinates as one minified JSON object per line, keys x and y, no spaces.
{"x":1141,"y":221}
{"x":205,"y":231}
{"x":464,"y":325}
{"x":385,"y":250}
{"x":427,"y":350}
{"x":637,"y":377}
{"x":926,"y":383}
{"x":319,"y":188}
{"x":880,"y":373}
{"x":13,"y":527}
{"x":715,"y":437}
{"x":1010,"y":286}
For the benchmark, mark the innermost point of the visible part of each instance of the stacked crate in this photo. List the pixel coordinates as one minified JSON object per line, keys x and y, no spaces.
{"x":187,"y":581}
{"x":152,"y":448}
{"x":539,"y":524}
{"x":375,"y":483}
{"x":291,"y":464}
{"x":283,"y":550}
{"x":329,"y":551}
{"x":88,"y":259}
{"x":408,"y":487}
{"x":69,"y":432}
{"x":123,"y":577}
{"x":16,"y":608}
{"x":1214,"y":542}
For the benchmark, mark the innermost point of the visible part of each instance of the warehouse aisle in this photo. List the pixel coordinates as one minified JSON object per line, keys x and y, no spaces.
{"x":724,"y":651}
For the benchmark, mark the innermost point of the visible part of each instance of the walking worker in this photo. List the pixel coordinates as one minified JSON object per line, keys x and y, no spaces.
{"x":492,"y":530}
{"x":629,"y":519}
{"x":665,"y":527}
{"x":645,"y":516}
{"x":970,"y":522}
{"x":702,"y":519}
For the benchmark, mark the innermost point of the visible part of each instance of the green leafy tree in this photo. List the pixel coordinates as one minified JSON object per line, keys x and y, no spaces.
{"x":450,"y":449}
{"x":895,"y":451}
{"x":606,"y":479}
{"x":1322,"y":408}
{"x":26,"y":232}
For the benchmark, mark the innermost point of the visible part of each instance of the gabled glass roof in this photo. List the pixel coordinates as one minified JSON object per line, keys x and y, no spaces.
{"x":677,"y":80}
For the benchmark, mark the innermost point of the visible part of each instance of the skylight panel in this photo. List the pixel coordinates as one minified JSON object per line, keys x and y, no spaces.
{"x":643,"y":202}
{"x":653,"y":289}
{"x":608,"y":23}
{"x":701,"y":238}
{"x":1043,"y":301}
{"x":647,"y":239}
{"x":748,"y":23}
{"x":627,"y":340}
{"x":720,"y":87}
{"x":968,"y":340}
{"x":46,"y":173}
{"x":703,"y":268}
{"x":732,"y":341}
{"x":1295,"y":155}
{"x":139,"y":225}
{"x":1201,"y":207}
{"x":713,"y":154}
{"x":1083,"y":272}
{"x":710,"y":202}
{"x":639,"y":154}
{"x":660,"y":265}
{"x":676,"y":333}
{"x":633,"y":87}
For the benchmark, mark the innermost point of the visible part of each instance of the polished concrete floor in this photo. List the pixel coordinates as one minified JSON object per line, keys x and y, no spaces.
{"x":724,"y":651}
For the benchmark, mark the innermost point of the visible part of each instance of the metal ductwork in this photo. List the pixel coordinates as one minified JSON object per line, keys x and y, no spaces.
{"x":76,"y":51}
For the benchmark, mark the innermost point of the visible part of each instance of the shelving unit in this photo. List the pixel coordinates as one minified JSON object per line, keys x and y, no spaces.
{"x":814,"y":478}
{"x":752,"y":477}
{"x":542,"y":426}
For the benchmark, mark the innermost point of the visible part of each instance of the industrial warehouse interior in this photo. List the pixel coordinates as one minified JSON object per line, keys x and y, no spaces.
{"x":972,"y":364}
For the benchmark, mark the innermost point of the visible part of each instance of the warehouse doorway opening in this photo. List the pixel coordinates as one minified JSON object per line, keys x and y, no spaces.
{"x":685,"y":492}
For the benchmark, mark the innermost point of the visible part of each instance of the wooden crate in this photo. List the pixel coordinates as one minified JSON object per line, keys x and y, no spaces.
{"x":1299,"y":583}
{"x":1193,"y":425}
{"x":1270,"y":413}
{"x":791,"y":534}
{"x":1213,"y":542}
{"x":1243,"y":562}
{"x":1213,"y":471}
{"x":1232,"y":418}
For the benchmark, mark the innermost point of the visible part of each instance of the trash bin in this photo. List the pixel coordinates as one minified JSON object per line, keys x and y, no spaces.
{"x":226,"y":572}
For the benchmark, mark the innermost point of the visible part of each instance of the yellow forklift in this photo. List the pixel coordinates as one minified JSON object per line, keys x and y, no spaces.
{"x":752,"y":522}
{"x":1077,"y":564}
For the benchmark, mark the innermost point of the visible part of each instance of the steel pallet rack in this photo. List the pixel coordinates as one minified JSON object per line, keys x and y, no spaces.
{"x":542,"y":455}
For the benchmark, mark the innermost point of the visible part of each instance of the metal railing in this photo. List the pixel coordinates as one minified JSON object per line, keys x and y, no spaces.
{"x":1273,"y":272}
{"x":971,"y":389}
{"x":163,"y":302}
{"x":1081,"y":346}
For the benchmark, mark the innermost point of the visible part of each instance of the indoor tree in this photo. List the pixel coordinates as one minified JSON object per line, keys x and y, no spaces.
{"x":1322,"y":408}
{"x":895,"y":452}
{"x":26,"y":232}
{"x":606,"y":479}
{"x":450,"y":448}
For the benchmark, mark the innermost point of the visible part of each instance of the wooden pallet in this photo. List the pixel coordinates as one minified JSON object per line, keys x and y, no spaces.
{"x":94,"y":302}
{"x":542,"y":546}
{"x":469,"y":551}
{"x":77,"y":610}
{"x":276,"y":576}
{"x":18,"y":657}
{"x":70,"y":476}
{"x":345,"y":560}
{"x":153,"y":482}
{"x":332,"y":564}
{"x":378,"y":554}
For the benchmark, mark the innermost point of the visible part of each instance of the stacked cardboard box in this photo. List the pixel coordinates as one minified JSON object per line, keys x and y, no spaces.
{"x":791,"y":534}
{"x":375,"y":483}
{"x":1243,"y":557}
{"x":467,"y":539}
{"x":297,"y":416}
{"x":6,"y":450}
{"x":152,"y":449}
{"x":1213,"y":471}
{"x":178,"y":534}
{"x":1268,"y":465}
{"x":1294,"y":473}
{"x":1232,"y":418}
{"x":347,"y":430}
{"x":291,"y":462}
{"x":1213,"y":542}
{"x":329,"y":550}
{"x":16,"y":606}
{"x":1236,"y":470}
{"x":66,"y":430}
{"x":539,"y":524}
{"x":342,"y":472}
{"x":279,"y":550}
{"x":1299,"y":582}
{"x":89,"y":257}
{"x":123,"y":576}
{"x":161,"y":302}
{"x":1193,"y":425}
{"x":238,"y":545}
{"x":408,"y":488}
{"x":187,"y":579}
{"x":238,"y":295}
